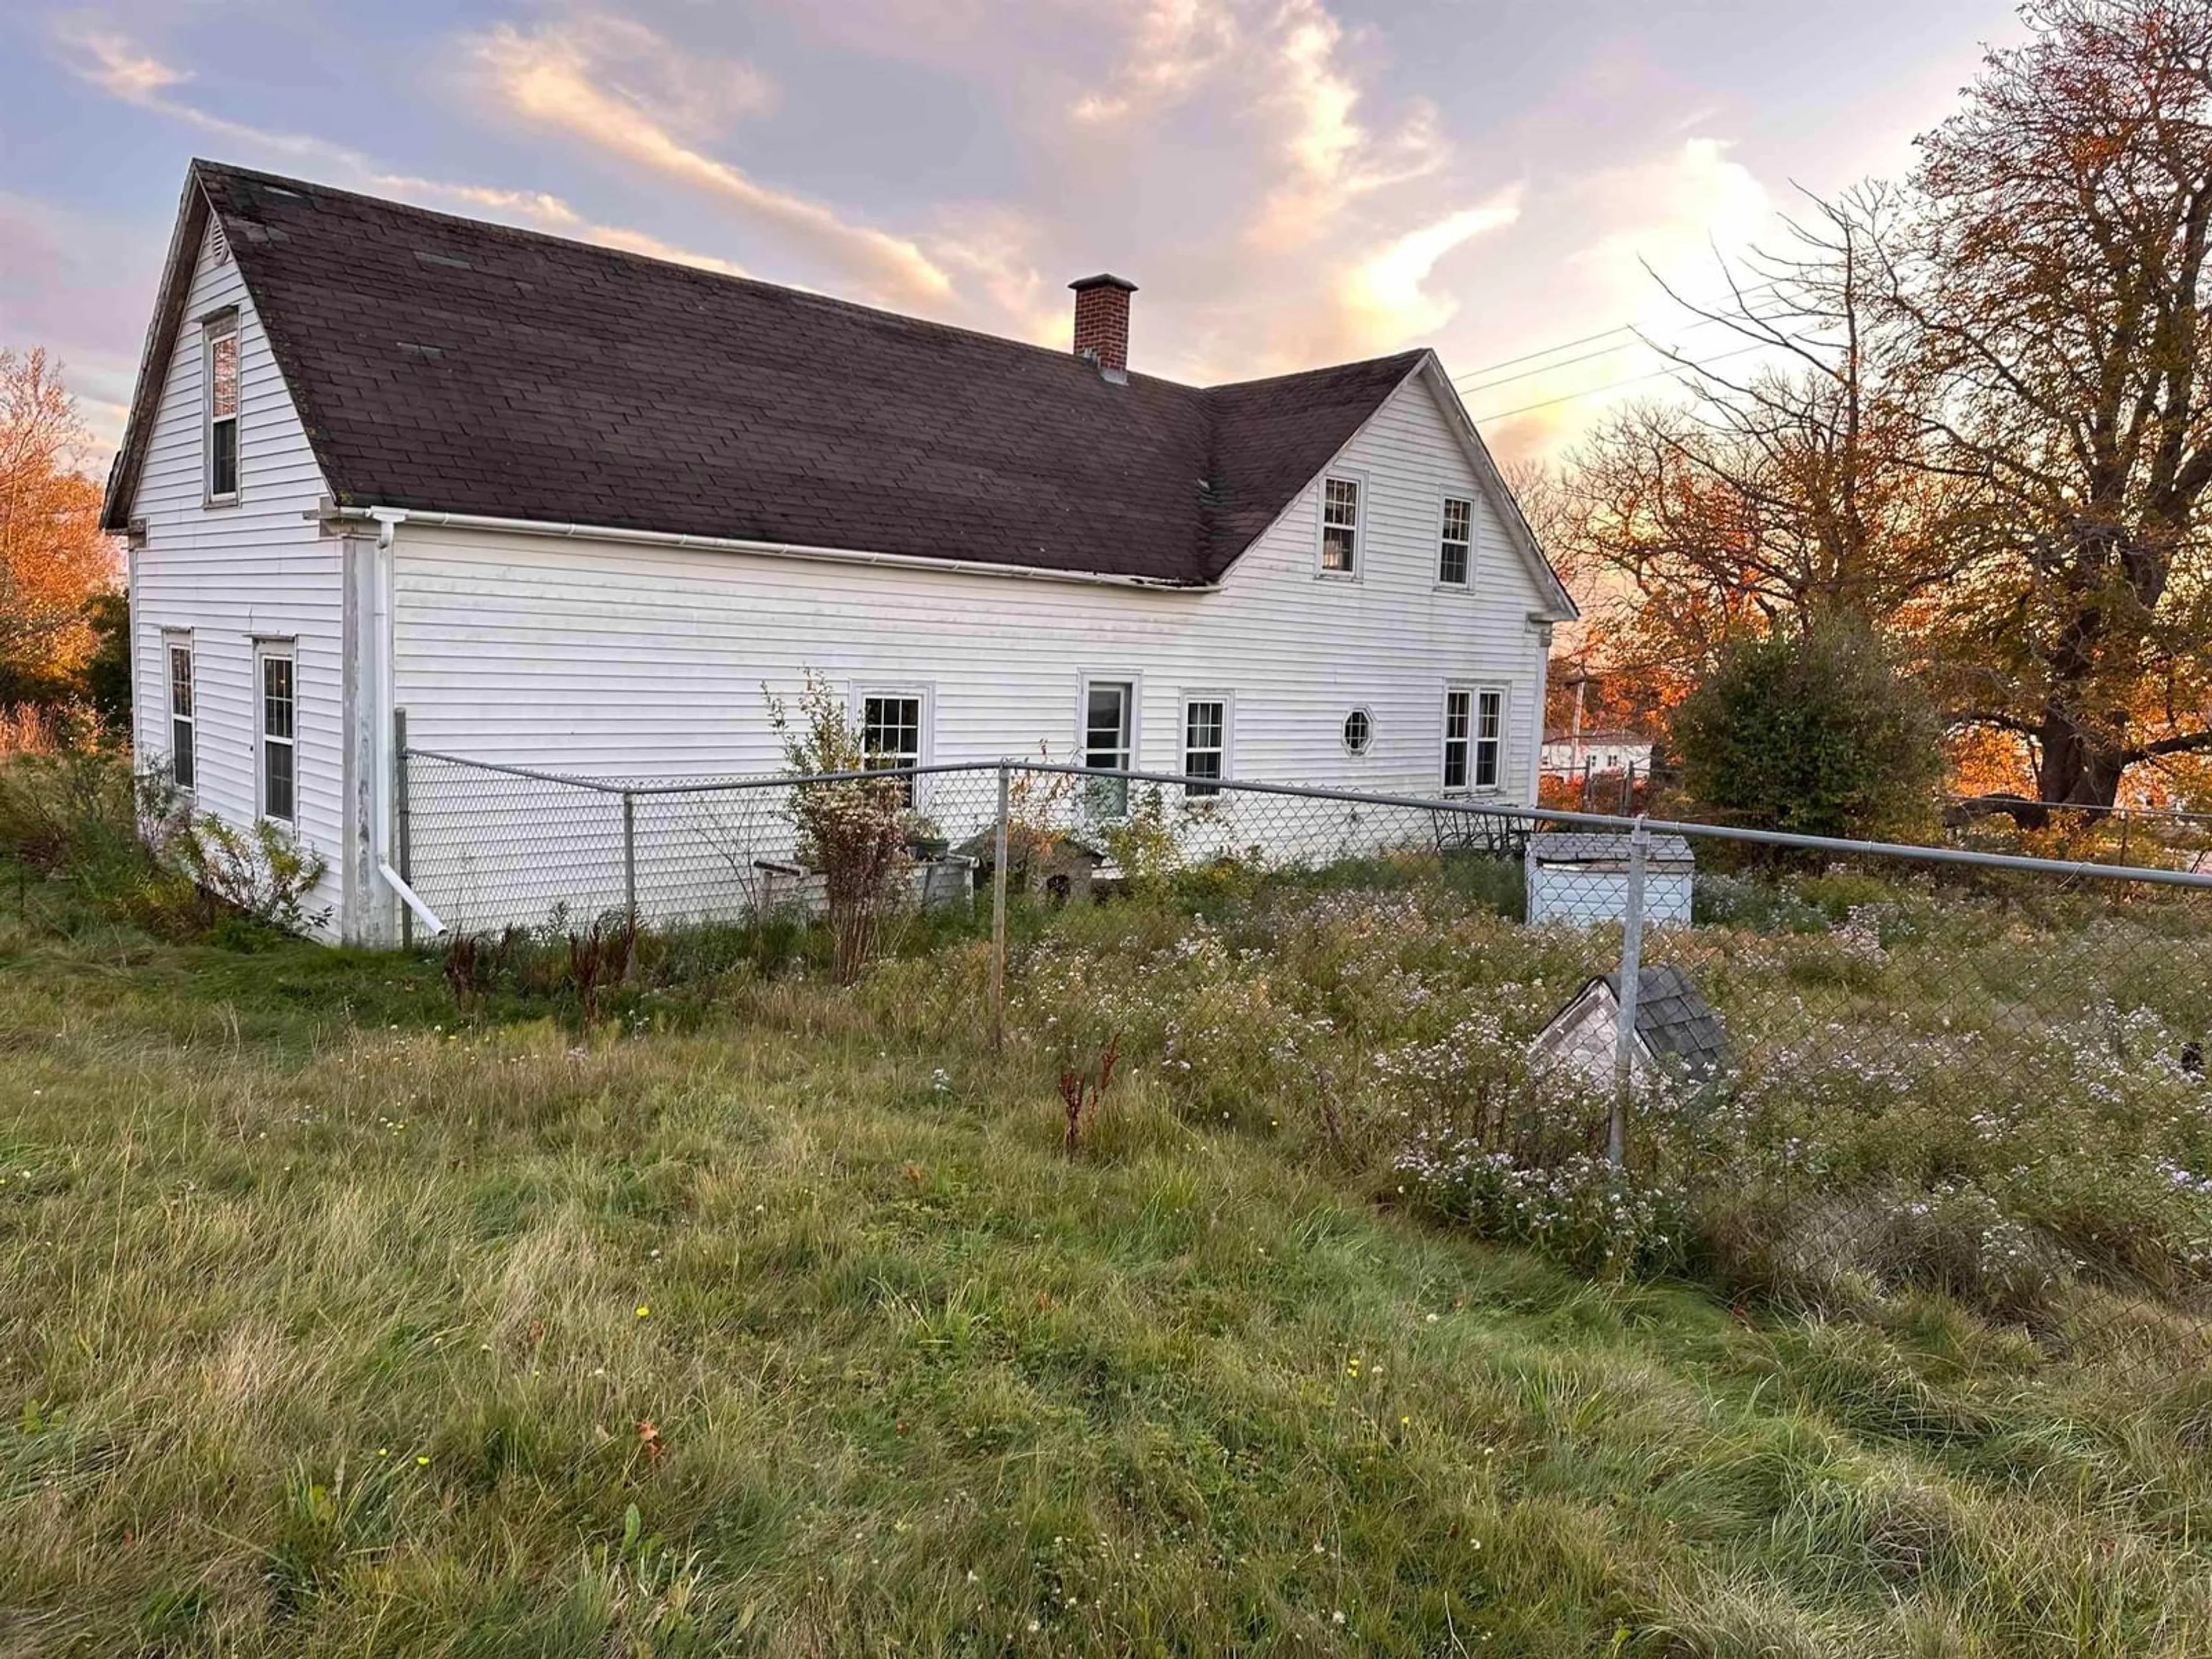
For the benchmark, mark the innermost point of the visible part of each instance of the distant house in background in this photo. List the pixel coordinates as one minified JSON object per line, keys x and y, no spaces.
{"x":1568,"y":753}
{"x":567,"y":507}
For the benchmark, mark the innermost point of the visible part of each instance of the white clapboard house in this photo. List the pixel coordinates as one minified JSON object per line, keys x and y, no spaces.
{"x":572,"y":508}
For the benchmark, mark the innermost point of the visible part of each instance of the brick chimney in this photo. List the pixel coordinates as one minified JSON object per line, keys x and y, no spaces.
{"x":1102,"y":323}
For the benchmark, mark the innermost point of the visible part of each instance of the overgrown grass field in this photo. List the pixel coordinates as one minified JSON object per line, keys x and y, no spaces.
{"x":766,"y":1317}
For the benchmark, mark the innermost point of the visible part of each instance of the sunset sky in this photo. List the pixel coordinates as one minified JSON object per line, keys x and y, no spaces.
{"x":1290,"y":182}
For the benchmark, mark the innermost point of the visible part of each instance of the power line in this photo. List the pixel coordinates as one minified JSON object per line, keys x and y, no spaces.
{"x":1477,"y":372}
{"x":1591,"y":392}
{"x":1545,"y":369}
{"x":1563,"y":346}
{"x":1592,"y":356}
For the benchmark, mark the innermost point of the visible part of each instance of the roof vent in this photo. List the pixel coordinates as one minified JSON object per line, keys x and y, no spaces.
{"x":218,"y":243}
{"x":1102,"y":323}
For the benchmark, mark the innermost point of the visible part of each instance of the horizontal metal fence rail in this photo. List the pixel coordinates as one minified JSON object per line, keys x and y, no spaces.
{"x":1474,"y":807}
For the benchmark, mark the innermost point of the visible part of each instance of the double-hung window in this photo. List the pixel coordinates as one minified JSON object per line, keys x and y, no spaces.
{"x":1340,"y":526}
{"x":183,"y":721}
{"x":891,"y":733}
{"x":1475,"y":737}
{"x":1108,"y":710}
{"x":273,"y":667}
{"x":219,"y":373}
{"x":1205,"y":742}
{"x":1455,"y":549}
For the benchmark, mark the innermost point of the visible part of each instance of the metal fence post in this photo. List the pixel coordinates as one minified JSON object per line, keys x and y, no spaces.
{"x":629,"y":856}
{"x":1631,"y":971}
{"x":999,"y":917}
{"x":403,"y":825}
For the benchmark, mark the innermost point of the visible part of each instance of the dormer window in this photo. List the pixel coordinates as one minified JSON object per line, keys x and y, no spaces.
{"x":1340,"y":526}
{"x":218,"y":361}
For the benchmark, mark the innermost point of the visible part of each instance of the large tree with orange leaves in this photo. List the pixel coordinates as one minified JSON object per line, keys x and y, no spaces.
{"x":54,"y":556}
{"x":2055,"y":277}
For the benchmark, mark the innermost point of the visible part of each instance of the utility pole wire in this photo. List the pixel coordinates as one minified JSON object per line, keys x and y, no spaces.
{"x":1478,"y":372}
{"x":1639,"y":343}
{"x":1678,"y":366}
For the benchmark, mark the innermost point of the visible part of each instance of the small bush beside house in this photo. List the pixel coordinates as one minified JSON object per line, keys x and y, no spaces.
{"x":1814,"y":733}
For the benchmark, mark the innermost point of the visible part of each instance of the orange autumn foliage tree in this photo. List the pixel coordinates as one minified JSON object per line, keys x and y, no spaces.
{"x":54,"y":557}
{"x":2057,"y":275}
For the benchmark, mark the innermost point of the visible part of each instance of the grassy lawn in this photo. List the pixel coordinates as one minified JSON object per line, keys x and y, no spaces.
{"x":334,"y":1327}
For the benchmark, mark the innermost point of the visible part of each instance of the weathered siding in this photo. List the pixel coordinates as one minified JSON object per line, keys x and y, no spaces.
{"x":231,"y":574}
{"x":627,"y":660}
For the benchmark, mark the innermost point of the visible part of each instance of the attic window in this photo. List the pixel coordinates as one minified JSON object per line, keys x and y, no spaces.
{"x":1340,"y":526}
{"x":219,"y":373}
{"x":1456,"y":548}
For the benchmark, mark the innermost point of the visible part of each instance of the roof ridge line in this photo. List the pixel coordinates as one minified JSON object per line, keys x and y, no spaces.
{"x":701,"y":272}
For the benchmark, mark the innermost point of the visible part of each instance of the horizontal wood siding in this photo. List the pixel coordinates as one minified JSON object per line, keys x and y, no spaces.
{"x":626,"y":660}
{"x":230,"y":574}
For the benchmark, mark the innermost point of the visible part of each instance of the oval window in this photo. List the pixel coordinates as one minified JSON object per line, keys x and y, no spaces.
{"x":1359,"y":731}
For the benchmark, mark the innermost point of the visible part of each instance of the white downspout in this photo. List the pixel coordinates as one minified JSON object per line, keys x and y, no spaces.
{"x":388,"y":520}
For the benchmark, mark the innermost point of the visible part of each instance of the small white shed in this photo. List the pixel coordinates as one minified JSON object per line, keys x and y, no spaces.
{"x":1582,"y":876}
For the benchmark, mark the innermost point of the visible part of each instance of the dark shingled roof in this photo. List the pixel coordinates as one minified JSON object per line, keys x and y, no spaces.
{"x":444,"y":364}
{"x":1673,"y":1019}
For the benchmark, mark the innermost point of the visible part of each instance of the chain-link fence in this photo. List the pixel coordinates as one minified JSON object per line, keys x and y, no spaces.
{"x":1914,"y":1082}
{"x":2167,"y":838}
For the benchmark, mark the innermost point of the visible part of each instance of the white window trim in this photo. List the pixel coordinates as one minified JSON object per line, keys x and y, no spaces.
{"x":1474,"y":691}
{"x":1357,"y":477}
{"x":1134,"y":683}
{"x":213,"y":327}
{"x":174,"y":640}
{"x":1444,"y":498}
{"x":1496,"y":784}
{"x":1228,"y":700}
{"x":924,"y":689}
{"x":1357,"y":708}
{"x":265,"y":650}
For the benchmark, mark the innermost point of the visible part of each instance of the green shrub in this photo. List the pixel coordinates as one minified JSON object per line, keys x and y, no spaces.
{"x":1815,"y":732}
{"x":105,"y":677}
{"x":262,"y":875}
{"x":76,"y":807}
{"x":130,"y":844}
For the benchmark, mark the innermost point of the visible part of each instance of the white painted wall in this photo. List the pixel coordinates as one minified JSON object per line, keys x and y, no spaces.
{"x":624,"y":660}
{"x":229,"y":574}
